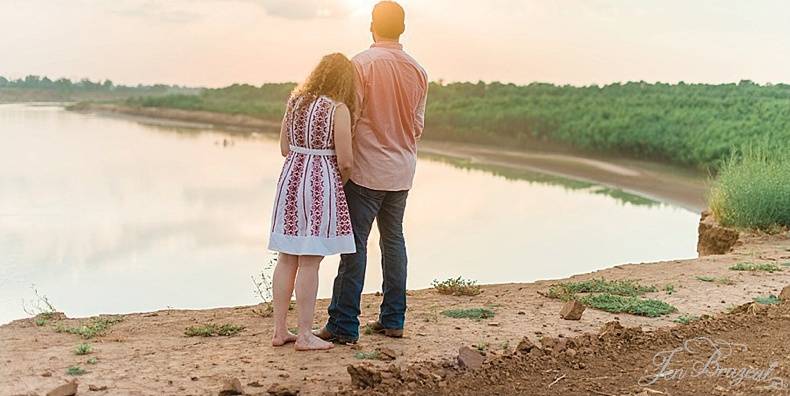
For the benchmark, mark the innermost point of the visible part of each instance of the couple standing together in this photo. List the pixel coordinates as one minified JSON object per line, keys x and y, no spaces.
{"x":349,"y":136}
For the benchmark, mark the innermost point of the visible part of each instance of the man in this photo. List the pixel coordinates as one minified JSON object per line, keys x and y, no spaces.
{"x":391,"y":94}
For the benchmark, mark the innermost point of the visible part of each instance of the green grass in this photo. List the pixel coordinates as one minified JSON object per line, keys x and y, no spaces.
{"x":669,"y":289}
{"x":75,"y":370}
{"x":213,"y":330}
{"x":92,"y":360}
{"x":83,"y":349}
{"x":567,"y":291}
{"x":753,"y":267}
{"x":457,"y":287}
{"x":93,"y":328}
{"x":767,"y":300}
{"x":685,"y":319}
{"x":632,"y":305}
{"x":469,"y":313}
{"x":712,"y":279}
{"x":753,"y":191}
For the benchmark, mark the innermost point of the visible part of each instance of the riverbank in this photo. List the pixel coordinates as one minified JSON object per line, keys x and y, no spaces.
{"x":149,"y":353}
{"x":679,"y":186}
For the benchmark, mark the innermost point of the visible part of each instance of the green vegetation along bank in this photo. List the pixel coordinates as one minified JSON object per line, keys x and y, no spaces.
{"x":696,"y":125}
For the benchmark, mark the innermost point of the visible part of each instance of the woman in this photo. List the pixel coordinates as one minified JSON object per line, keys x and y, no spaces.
{"x":311,"y":217}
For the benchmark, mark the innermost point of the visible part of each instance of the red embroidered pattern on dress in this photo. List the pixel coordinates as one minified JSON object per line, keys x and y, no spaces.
{"x":300,"y":123}
{"x":290,"y":218}
{"x":317,"y":191}
{"x":318,"y":126}
{"x":343,"y":218}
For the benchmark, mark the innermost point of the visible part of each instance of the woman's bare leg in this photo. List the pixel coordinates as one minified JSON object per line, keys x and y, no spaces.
{"x":306,"y":291}
{"x":282,"y":290}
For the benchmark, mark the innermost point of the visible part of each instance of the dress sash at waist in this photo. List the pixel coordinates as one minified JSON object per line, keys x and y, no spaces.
{"x":308,"y":151}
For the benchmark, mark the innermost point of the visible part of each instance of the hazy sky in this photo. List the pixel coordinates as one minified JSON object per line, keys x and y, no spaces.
{"x":218,"y":42}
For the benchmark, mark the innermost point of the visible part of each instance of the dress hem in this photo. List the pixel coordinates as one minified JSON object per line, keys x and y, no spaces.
{"x":312,"y":245}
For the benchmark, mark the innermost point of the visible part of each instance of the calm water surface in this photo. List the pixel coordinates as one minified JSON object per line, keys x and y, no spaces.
{"x":107,"y":215}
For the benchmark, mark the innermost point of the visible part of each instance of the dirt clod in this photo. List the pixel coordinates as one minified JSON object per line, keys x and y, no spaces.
{"x":68,"y":389}
{"x":572,"y":310}
{"x":282,"y":390}
{"x":364,"y":375}
{"x":785,"y":294}
{"x":525,"y":346}
{"x":97,"y":388}
{"x":470,"y":358}
{"x":714,"y":238}
{"x":231,"y":386}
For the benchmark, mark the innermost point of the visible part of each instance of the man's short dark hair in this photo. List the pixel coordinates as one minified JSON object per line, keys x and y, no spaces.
{"x":389,"y":19}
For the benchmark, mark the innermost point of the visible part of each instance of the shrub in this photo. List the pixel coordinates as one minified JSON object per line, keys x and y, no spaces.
{"x":753,"y":190}
{"x":457,"y":287}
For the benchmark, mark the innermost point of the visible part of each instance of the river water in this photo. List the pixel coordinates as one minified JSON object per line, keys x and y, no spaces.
{"x":112,"y":215}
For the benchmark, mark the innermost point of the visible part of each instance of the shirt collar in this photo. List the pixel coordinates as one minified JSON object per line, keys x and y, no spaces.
{"x":388,"y":44}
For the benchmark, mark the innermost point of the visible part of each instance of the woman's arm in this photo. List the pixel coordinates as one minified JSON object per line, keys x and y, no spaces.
{"x":343,"y":148}
{"x":284,"y":138}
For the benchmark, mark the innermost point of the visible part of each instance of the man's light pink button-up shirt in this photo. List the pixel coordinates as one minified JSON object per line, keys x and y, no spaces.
{"x":392,"y":90}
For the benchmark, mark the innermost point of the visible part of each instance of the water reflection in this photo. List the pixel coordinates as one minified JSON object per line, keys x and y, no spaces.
{"x":514,"y":173}
{"x":109,"y":215}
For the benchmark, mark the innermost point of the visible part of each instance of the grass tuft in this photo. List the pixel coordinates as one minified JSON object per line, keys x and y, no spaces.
{"x":767,"y":300}
{"x":685,"y":319}
{"x":633,"y":305}
{"x":629,"y":288}
{"x":95,"y":327}
{"x":752,"y":191}
{"x":469,"y":313}
{"x":83,"y":349}
{"x":752,"y":267}
{"x":713,"y":279}
{"x":213,"y":330}
{"x":92,"y":360}
{"x":457,"y":287}
{"x":75,"y":370}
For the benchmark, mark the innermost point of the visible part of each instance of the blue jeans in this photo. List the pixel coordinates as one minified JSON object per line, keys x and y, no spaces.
{"x":387,"y":208}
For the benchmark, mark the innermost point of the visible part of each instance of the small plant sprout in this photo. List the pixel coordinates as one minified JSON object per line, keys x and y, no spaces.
{"x":83,"y":349}
{"x":262,"y":288}
{"x":75,"y":370}
{"x":92,"y":360}
{"x":669,"y":289}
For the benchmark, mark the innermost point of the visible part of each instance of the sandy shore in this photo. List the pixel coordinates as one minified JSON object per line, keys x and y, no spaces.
{"x":148,"y":353}
{"x":665,"y":183}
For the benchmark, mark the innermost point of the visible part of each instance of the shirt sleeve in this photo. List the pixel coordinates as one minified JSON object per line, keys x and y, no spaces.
{"x":420,"y":115}
{"x":360,"y":86}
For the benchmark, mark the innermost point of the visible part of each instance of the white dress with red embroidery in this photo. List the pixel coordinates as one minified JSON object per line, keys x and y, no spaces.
{"x":310,"y":209}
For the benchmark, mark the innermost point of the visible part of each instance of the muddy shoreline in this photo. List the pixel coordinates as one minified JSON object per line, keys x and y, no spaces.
{"x":675,"y":185}
{"x":149,"y":353}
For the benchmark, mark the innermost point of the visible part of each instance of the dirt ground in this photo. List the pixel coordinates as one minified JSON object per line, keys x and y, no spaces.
{"x":148,"y":353}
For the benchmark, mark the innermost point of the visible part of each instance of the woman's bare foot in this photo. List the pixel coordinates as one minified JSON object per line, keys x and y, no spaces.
{"x":280,"y":340}
{"x":309,"y":342}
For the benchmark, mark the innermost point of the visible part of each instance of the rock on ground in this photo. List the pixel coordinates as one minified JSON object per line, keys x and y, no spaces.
{"x":785,"y":294}
{"x":572,"y":310}
{"x":470,"y":358}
